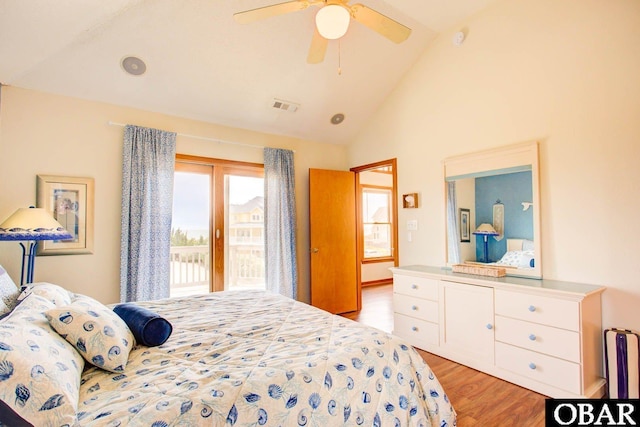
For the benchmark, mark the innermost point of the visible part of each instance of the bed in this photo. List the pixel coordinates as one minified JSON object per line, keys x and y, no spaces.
{"x":520,"y":254}
{"x":233,"y":358}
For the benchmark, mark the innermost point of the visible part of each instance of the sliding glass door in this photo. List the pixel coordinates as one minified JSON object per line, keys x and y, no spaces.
{"x":191,"y":230}
{"x":218,"y":226}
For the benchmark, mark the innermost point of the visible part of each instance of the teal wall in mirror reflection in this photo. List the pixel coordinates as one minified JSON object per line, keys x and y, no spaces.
{"x":511,"y":190}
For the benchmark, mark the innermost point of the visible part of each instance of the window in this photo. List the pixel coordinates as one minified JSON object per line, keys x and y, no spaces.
{"x":376,"y":221}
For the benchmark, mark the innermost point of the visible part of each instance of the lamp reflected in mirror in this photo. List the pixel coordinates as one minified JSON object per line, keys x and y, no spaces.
{"x":485,"y":230}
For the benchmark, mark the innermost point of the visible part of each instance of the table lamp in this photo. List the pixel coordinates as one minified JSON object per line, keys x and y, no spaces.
{"x":31,"y":225}
{"x":485,"y":230}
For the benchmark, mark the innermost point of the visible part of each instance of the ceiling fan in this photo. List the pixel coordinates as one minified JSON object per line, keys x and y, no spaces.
{"x":332,"y":21}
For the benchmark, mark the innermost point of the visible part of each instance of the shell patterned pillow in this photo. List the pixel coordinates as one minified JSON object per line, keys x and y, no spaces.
{"x":39,"y":371}
{"x":99,"y":334}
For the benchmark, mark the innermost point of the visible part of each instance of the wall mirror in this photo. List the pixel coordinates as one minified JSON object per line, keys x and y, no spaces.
{"x":493,"y":209}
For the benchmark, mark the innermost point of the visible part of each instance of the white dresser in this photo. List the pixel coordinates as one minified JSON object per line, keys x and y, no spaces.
{"x":544,"y":335}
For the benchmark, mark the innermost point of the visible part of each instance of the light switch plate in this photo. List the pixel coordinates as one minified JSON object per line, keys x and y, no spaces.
{"x":412,"y":224}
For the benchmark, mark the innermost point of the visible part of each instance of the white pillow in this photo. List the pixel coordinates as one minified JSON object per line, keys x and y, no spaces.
{"x":8,"y":292}
{"x":99,"y":334}
{"x":527,"y":245}
{"x":39,"y":371}
{"x":54,"y":293}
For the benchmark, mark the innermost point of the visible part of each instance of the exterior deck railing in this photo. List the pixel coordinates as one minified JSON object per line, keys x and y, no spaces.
{"x":189,"y":265}
{"x":190,"y":270}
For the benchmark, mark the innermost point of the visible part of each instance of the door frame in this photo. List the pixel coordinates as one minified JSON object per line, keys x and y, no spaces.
{"x":359,"y":222}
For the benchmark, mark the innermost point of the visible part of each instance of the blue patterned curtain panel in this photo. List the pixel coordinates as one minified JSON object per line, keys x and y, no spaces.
{"x":280,"y":222}
{"x":147,"y":198}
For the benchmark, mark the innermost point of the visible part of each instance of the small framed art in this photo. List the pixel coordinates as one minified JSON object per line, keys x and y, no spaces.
{"x":410,"y":200}
{"x":70,"y":201}
{"x":464,"y":224}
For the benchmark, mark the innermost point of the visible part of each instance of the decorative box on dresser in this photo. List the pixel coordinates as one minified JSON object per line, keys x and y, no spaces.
{"x":544,"y":335}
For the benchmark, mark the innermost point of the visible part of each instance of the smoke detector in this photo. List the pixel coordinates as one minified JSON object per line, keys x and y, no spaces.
{"x":289,"y":106}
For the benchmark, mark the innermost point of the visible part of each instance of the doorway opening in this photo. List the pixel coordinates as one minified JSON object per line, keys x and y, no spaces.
{"x":377,"y":223}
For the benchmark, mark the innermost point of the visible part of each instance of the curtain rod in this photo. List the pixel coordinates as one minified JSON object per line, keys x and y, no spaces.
{"x":205,"y":138}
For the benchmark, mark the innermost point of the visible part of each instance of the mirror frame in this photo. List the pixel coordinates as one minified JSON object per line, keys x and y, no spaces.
{"x":482,"y":163}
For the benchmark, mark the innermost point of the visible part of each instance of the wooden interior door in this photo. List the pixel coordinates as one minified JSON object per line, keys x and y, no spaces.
{"x":334,"y":272}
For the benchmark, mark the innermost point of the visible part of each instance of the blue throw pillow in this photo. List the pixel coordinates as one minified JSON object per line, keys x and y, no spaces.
{"x":148,"y":328}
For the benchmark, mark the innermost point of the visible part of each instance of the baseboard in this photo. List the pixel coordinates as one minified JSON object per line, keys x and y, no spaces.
{"x":388,"y":281}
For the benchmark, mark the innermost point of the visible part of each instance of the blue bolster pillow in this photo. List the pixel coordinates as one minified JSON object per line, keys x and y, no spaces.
{"x":148,"y":328}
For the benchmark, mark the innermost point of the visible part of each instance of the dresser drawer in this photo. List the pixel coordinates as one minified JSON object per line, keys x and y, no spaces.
{"x":416,"y":307}
{"x":419,"y":287}
{"x":541,"y":338}
{"x":534,"y":308}
{"x":418,"y":333}
{"x":539,"y":367}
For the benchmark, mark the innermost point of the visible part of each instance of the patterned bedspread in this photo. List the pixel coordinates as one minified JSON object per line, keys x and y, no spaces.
{"x":254,"y":358}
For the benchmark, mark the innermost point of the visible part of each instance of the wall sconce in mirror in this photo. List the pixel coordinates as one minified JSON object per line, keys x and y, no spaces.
{"x":410,"y":200}
{"x":498,"y":220}
{"x":526,"y":205}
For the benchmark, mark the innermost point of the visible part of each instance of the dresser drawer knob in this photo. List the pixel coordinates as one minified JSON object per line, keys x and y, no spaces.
{"x":414,"y":307}
{"x":532,"y":365}
{"x":489,"y":326}
{"x":532,"y":308}
{"x":414,"y":328}
{"x":414,"y":286}
{"x":532,"y":337}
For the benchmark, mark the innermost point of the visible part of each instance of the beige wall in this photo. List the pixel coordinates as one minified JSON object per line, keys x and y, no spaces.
{"x":563,"y":72}
{"x":49,"y":134}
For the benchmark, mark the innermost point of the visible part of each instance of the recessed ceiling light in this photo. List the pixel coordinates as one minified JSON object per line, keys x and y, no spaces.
{"x":133,"y":65}
{"x":337,"y":119}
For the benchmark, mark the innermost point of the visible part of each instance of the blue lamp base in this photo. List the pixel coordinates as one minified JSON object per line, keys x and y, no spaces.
{"x":486,"y":249}
{"x":28,"y":261}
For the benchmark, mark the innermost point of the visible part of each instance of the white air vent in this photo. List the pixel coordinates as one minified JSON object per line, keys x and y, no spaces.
{"x":289,"y":106}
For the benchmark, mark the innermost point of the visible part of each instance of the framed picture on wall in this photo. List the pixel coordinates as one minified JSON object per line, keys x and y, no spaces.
{"x":70,"y":201}
{"x":410,"y":200}
{"x":464,"y":217}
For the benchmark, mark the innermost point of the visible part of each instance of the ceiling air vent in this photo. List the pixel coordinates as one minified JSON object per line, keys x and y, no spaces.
{"x":279,"y":104}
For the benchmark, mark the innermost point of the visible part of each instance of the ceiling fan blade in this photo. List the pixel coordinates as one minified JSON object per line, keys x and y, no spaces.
{"x":268,"y":11}
{"x":393,"y":30}
{"x":318,"y":48}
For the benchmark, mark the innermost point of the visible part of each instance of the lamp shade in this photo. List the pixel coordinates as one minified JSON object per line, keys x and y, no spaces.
{"x":32,"y":224}
{"x":332,"y":21}
{"x":486,"y":229}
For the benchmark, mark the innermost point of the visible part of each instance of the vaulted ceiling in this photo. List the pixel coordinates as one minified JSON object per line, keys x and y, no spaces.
{"x":202,"y":64}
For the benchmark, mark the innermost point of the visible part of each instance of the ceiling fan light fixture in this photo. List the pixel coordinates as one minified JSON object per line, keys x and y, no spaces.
{"x":332,"y":21}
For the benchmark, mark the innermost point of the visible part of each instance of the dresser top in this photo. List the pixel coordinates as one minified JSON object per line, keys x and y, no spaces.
{"x":499,"y":282}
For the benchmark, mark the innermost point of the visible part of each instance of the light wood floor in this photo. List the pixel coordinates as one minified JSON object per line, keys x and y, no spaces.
{"x":479,"y":399}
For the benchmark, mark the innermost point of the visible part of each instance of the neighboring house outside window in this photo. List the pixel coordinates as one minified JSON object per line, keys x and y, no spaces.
{"x":246,"y":241}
